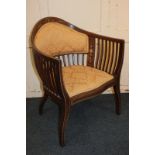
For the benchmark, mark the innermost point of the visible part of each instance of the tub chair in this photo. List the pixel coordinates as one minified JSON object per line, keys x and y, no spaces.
{"x":74,"y":65}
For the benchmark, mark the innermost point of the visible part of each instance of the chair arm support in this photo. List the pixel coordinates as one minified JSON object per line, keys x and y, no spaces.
{"x":50,"y":72}
{"x":106,"y":53}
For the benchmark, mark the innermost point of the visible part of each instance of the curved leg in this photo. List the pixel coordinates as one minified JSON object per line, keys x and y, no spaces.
{"x":117,"y":99}
{"x":64,"y":113}
{"x":42,"y":103}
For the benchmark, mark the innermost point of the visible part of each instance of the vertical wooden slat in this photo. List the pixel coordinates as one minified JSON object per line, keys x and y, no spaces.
{"x":108,"y":56}
{"x":111,"y":56}
{"x":54,"y":78}
{"x":105,"y":54}
{"x":49,"y":74}
{"x":51,"y":80}
{"x":64,"y":61}
{"x":45,"y":73}
{"x":95,"y":48}
{"x":101,"y":54}
{"x":69,"y":63}
{"x":42,"y":67}
{"x":73,"y":59}
{"x":82,"y":59}
{"x":97,"y":53}
{"x":114,"y":57}
{"x":117,"y":55}
{"x":77,"y":59}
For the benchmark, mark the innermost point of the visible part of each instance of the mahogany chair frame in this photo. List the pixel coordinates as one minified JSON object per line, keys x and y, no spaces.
{"x":97,"y":56}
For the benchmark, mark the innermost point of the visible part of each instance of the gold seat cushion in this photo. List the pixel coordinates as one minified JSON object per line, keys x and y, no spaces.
{"x":56,"y":39}
{"x":78,"y":79}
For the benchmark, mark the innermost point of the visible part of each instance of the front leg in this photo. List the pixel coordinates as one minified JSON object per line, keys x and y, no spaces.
{"x":63,"y":117}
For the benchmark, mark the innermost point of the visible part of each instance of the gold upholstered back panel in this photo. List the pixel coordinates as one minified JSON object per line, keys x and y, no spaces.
{"x":55,"y":39}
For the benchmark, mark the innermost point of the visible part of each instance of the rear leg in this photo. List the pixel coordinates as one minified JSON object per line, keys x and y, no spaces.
{"x":117,"y":99}
{"x":42,"y":103}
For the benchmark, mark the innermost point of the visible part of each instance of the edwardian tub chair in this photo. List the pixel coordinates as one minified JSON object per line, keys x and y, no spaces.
{"x":75,"y":64}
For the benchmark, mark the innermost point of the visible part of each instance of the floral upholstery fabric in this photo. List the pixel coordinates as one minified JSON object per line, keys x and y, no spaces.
{"x":55,"y":39}
{"x":79,"y":79}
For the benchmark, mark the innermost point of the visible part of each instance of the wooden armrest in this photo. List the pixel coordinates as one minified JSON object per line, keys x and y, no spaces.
{"x":50,"y":71}
{"x":106,"y":53}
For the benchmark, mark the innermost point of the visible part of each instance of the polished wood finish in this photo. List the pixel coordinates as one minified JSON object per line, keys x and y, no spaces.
{"x":105,"y":53}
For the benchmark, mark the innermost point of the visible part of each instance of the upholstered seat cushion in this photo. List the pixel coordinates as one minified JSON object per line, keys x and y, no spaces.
{"x":79,"y":79}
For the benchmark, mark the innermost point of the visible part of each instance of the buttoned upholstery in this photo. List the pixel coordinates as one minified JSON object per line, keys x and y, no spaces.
{"x":79,"y":79}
